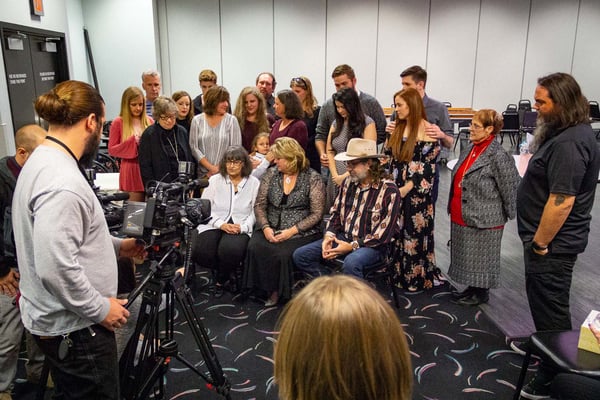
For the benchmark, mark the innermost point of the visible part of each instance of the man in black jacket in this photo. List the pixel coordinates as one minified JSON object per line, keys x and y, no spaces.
{"x":11,"y":327}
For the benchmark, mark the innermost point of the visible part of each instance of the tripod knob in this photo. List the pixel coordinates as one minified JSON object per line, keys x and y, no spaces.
{"x":168,"y":348}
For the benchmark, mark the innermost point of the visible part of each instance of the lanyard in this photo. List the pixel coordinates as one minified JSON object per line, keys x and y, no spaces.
{"x":55,"y":140}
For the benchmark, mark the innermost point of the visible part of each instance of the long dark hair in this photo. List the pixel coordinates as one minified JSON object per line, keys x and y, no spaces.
{"x":572,"y":106}
{"x":356,"y":117}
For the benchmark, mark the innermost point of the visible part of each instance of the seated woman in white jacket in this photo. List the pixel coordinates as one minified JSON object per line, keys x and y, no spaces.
{"x":221,"y":243}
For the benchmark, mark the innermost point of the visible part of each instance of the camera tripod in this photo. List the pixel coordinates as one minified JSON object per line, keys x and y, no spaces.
{"x":143,"y":366}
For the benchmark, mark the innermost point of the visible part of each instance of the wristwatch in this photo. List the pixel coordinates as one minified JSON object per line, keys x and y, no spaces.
{"x":537,"y":247}
{"x":354,"y":245}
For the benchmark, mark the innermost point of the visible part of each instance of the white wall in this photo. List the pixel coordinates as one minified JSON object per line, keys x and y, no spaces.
{"x":62,"y":16}
{"x":122,"y":38}
{"x":479,"y":53}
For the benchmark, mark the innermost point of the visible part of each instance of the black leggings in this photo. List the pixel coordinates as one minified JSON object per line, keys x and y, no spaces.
{"x":575,"y":387}
{"x":218,"y":250}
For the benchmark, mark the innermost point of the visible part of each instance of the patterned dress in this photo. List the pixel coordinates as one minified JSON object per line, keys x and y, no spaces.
{"x":416,"y":258}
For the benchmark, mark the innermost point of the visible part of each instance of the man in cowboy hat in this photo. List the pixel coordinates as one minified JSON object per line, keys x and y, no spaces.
{"x":364,"y":216}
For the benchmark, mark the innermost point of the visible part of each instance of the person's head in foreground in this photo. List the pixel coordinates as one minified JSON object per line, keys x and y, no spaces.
{"x":339,"y":339}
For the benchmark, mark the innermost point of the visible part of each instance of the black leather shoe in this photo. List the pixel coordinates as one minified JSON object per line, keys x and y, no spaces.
{"x":465,"y":293}
{"x":476,"y":298}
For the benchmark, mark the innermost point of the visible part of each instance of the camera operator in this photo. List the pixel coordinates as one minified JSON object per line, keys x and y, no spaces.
{"x":65,"y":252}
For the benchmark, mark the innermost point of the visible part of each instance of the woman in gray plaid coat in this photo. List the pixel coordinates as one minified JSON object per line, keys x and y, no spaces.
{"x":482,"y":198}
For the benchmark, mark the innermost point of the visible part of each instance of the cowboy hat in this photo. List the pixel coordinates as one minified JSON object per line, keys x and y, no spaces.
{"x":359,"y":148}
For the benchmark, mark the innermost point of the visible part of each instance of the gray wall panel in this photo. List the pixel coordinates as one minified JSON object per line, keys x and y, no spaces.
{"x":500,"y":53}
{"x":299,"y":45}
{"x":551,"y":39}
{"x":586,"y":60}
{"x":451,"y":53}
{"x":193,"y":42}
{"x":352,"y":39}
{"x":402,"y":42}
{"x":247,"y":31}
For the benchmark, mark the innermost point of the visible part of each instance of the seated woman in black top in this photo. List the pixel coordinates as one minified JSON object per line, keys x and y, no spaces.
{"x":289,"y":208}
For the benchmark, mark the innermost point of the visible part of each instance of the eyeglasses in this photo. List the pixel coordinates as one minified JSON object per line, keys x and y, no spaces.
{"x":236,"y":163}
{"x":299,"y":82}
{"x":167,"y":118}
{"x":475,"y":126}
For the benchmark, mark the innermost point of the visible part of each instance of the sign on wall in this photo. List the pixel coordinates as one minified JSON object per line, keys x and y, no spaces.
{"x":37,"y":7}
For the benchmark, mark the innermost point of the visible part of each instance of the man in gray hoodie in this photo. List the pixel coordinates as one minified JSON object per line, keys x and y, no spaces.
{"x":67,"y":257}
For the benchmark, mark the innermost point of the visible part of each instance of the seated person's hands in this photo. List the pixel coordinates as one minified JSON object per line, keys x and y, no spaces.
{"x":337,"y":248}
{"x":232,"y":229}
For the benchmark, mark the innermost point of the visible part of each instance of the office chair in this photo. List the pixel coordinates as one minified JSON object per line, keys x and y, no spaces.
{"x":511,"y":127}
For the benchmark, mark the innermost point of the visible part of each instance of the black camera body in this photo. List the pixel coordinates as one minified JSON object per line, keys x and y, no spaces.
{"x":162,"y":218}
{"x":113,"y":213}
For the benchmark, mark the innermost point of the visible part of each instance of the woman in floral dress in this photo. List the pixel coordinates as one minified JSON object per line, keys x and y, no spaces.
{"x":413,"y":155}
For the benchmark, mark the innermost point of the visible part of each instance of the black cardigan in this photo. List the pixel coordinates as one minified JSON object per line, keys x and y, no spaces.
{"x":156,"y":157}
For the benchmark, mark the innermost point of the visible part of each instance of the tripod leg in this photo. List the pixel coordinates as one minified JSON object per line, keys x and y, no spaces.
{"x":134,"y":366}
{"x":185,"y":301}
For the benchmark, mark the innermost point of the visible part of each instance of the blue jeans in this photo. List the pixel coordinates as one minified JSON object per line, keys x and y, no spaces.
{"x":308,"y":259}
{"x":90,"y":370}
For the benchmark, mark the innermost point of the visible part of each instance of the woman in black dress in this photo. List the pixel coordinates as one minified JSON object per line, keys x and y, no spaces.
{"x":289,"y":208}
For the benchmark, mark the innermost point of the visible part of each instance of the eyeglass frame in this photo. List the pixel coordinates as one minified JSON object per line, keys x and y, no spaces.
{"x":166,"y":118}
{"x":234,"y":162}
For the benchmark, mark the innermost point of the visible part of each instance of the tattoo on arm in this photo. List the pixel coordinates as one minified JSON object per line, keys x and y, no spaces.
{"x":559,"y":200}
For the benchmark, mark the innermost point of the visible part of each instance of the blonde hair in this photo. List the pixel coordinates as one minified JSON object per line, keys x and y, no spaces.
{"x":255,"y":140}
{"x":130,"y":94}
{"x":290,"y":150}
{"x":310,"y":103}
{"x":339,"y":339}
{"x":207,"y":75}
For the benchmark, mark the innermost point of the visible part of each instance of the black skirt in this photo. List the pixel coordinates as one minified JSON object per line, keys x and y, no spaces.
{"x":269,"y":266}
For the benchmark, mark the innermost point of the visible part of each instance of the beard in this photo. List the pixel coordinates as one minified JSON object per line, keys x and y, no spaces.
{"x":546,"y":128}
{"x":90,"y":151}
{"x":358,"y":177}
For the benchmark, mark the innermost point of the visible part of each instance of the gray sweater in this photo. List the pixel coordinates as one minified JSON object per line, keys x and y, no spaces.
{"x":66,"y":255}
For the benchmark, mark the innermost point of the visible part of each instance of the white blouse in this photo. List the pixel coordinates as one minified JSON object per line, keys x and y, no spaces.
{"x":226,"y":204}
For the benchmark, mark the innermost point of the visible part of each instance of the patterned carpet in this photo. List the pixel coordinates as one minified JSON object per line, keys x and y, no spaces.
{"x":457,"y":353}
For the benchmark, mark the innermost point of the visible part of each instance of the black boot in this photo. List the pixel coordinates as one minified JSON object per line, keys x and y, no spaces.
{"x":478,"y":296}
{"x":456,"y":294}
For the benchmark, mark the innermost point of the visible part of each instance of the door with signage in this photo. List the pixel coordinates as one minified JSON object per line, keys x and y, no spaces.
{"x":35,"y":61}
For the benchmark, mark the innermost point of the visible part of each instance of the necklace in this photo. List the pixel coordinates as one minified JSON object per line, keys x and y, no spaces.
{"x":471,"y":158}
{"x":287,"y":179}
{"x":174,"y":148}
